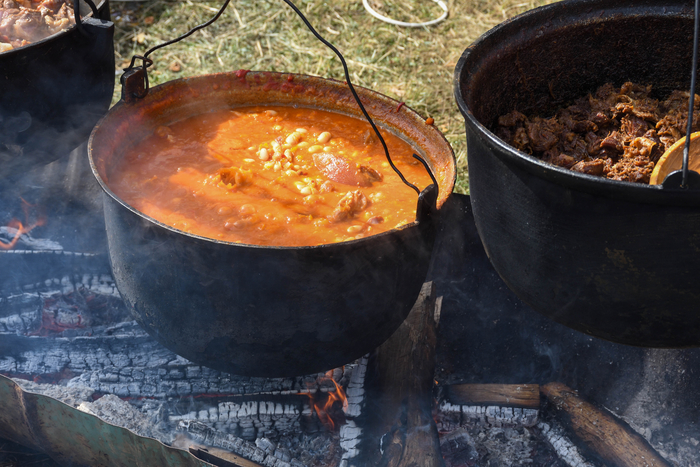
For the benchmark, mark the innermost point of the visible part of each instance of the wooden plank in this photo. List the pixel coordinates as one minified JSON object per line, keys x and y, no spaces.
{"x":220,"y":457}
{"x":599,"y":432}
{"x":401,"y":372}
{"x":526,"y":396}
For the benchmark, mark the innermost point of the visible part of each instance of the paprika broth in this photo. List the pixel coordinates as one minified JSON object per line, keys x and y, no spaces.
{"x":270,"y":175}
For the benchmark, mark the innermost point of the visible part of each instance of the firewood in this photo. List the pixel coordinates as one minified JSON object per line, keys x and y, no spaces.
{"x":602,"y":434}
{"x":220,"y":457}
{"x":402,"y":371}
{"x":526,"y":396}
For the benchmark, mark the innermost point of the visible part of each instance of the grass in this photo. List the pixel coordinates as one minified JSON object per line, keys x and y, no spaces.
{"x":412,"y":65}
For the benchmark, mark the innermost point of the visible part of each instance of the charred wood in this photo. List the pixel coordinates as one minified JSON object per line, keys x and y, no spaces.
{"x":502,"y":395}
{"x":400,"y":383}
{"x":263,"y":452}
{"x":601,"y":434}
{"x":452,"y":416}
{"x":220,"y":457}
{"x":562,"y":445}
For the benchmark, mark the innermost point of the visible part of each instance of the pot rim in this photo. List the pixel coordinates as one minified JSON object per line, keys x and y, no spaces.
{"x":450,"y":182}
{"x":56,"y":35}
{"x":513,"y":30}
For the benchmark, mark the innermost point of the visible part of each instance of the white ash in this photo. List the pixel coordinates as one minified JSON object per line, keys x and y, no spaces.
{"x":120,"y":358}
{"x":121,"y":413}
{"x":452,"y":416}
{"x":96,"y":283}
{"x":566,"y":450}
{"x":73,"y":396}
{"x":117,"y":358}
{"x":263,"y":451}
{"x":249,"y":419}
{"x":483,"y":445}
{"x":355,"y":391}
{"x":654,"y":408}
{"x":26,"y":242}
{"x":490,"y":435}
{"x":458,"y":447}
{"x":350,"y":432}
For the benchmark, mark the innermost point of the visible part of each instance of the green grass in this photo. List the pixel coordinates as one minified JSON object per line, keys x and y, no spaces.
{"x":412,"y":65}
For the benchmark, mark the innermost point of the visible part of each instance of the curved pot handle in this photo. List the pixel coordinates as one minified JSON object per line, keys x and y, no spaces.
{"x":427,"y":204}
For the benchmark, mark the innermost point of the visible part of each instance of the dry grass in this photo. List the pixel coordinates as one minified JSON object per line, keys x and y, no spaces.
{"x":413,"y":65}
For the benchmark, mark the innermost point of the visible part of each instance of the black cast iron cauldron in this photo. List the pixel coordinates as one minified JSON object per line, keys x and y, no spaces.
{"x":53,"y":92}
{"x":612,"y":259}
{"x":265,"y":311}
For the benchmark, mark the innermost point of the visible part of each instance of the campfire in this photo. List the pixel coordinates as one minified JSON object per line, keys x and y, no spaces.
{"x":546,"y":396}
{"x":472,"y":376}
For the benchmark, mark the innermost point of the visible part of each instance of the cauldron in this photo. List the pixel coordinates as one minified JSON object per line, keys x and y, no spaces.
{"x":54,"y":91}
{"x":255,"y":310}
{"x":615,"y":260}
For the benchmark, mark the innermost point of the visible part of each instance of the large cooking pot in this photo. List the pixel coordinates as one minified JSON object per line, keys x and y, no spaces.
{"x":612,"y":259}
{"x":53,"y":92}
{"x":257,"y":310}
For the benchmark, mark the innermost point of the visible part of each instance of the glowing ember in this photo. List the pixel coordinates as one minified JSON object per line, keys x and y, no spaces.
{"x":20,"y":228}
{"x":330,"y":406}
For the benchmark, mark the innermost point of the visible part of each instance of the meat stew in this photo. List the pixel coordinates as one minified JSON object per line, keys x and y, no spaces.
{"x":617,"y":133}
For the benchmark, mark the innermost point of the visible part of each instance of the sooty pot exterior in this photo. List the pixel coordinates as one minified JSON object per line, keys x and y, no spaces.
{"x":254,"y":310}
{"x":54,"y":91}
{"x":613,"y":259}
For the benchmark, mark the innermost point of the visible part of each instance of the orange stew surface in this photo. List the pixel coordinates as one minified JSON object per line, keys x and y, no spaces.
{"x":271,"y":176}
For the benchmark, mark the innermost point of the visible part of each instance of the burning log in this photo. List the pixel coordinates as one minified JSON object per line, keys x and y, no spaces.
{"x":400,"y":381}
{"x":562,"y":445}
{"x":220,"y":457}
{"x":263,"y":452}
{"x":526,"y":396}
{"x":605,"y":436}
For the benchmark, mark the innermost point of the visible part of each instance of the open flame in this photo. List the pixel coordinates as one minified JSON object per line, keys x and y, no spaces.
{"x":330,"y":406}
{"x":21,"y":228}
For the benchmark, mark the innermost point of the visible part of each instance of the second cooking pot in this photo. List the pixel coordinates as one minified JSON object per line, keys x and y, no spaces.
{"x":612,"y":259}
{"x":53,"y":91}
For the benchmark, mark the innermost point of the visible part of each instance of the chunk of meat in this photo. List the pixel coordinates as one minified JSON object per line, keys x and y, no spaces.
{"x":592,"y":167}
{"x":23,"y":22}
{"x":543,"y":134}
{"x":236,"y":177}
{"x":353,"y":203}
{"x":340,"y":170}
{"x":619,"y":133}
{"x":613,"y":142}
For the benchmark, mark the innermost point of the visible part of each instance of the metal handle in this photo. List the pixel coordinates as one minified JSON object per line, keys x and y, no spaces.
{"x":686,"y":178}
{"x":77,"y":18}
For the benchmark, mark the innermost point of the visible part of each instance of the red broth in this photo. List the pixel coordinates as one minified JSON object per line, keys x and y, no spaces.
{"x":271,"y":176}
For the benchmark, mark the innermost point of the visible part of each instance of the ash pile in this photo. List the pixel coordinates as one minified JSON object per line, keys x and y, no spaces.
{"x":73,"y":339}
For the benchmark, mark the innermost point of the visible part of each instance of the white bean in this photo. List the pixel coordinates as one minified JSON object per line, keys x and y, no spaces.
{"x":293,"y":138}
{"x":264,"y":154}
{"x":301,"y":130}
{"x":324,"y":137}
{"x":315,"y":148}
{"x":306,"y":190}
